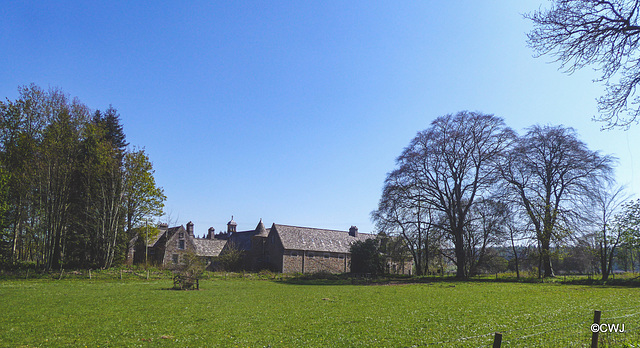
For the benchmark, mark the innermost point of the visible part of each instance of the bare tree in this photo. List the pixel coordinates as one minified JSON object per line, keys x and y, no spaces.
{"x":601,"y":33}
{"x":403,"y":211}
{"x":487,"y":228}
{"x":603,"y":203}
{"x":548,"y":170}
{"x":452,"y":164}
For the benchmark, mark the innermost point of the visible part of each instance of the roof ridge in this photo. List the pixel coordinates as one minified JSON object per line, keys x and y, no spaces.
{"x":311,"y":228}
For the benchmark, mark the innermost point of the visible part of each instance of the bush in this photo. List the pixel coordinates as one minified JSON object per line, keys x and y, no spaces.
{"x":366,"y":257}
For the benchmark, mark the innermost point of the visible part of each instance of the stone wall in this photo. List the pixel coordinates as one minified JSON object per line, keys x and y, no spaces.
{"x":273,"y":252}
{"x":299,"y":261}
{"x":177,"y":246}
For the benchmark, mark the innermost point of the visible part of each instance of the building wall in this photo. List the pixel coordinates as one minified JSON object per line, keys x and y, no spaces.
{"x":302,"y":261}
{"x":172,"y":248}
{"x":274,"y":251}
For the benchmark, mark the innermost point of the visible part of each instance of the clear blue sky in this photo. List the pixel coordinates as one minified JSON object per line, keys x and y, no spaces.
{"x":294,"y":111}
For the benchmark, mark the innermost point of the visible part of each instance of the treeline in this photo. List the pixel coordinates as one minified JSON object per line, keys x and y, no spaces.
{"x":72,"y":193}
{"x":469,"y":185}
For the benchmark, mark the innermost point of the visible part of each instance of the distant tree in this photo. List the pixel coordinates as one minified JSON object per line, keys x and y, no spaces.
{"x":366,"y":257}
{"x":549,"y":170}
{"x":628,"y":220}
{"x":487,"y":228}
{"x":114,"y":132}
{"x":603,"y":203}
{"x":450,"y":166}
{"x":605,"y":34}
{"x":143,"y":199}
{"x":403,"y":210}
{"x":5,"y":236}
{"x":230,"y":259}
{"x":145,"y":233}
{"x":62,"y":182}
{"x":393,"y":248}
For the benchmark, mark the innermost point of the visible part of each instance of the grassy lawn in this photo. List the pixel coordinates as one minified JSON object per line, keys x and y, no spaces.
{"x":264,"y":313}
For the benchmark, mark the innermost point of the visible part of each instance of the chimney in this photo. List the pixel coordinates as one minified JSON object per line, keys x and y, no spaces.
{"x":353,"y":231}
{"x":190,"y":228}
{"x":163,"y":226}
{"x":212,"y":232}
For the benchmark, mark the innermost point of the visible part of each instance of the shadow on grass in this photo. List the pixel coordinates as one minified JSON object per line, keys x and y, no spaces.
{"x":368,"y":280}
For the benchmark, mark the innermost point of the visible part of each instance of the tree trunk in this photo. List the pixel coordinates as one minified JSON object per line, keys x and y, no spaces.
{"x":461,"y":261}
{"x":546,"y":258}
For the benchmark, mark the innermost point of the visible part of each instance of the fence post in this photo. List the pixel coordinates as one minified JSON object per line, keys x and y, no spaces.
{"x":120,"y":274}
{"x":89,"y":273}
{"x":147,"y":274}
{"x":594,"y":335}
{"x":497,"y":340}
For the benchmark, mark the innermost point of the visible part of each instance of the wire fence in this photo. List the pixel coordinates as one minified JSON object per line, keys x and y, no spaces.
{"x":567,"y":332}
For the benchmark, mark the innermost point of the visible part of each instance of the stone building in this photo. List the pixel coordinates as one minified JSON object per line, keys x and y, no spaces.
{"x":170,"y":245}
{"x":280,"y":248}
{"x":293,"y":249}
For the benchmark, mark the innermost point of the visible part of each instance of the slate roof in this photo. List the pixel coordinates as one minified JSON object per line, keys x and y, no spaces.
{"x":315,"y":239}
{"x":242,"y":240}
{"x":208,"y":247}
{"x":154,"y":240}
{"x":261,"y":231}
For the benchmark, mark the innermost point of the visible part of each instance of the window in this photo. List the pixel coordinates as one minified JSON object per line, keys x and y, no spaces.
{"x":341,"y":256}
{"x":181,"y":244}
{"x":181,"y":235}
{"x":294,"y":253}
{"x":174,"y":258}
{"x":327,"y":255}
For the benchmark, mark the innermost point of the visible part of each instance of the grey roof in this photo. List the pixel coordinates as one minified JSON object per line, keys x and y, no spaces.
{"x":208,"y":247}
{"x":154,"y":240}
{"x":242,"y":240}
{"x":315,"y":239}
{"x":169,"y":232}
{"x":260,"y":230}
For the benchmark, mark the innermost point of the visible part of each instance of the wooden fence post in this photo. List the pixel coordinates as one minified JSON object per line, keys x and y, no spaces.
{"x":147,"y":274}
{"x":89,"y":273}
{"x":594,"y":333}
{"x":120,"y":274}
{"x":497,"y":340}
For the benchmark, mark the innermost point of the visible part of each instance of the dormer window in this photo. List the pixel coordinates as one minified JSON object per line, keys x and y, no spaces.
{"x":181,"y":244}
{"x":181,"y":235}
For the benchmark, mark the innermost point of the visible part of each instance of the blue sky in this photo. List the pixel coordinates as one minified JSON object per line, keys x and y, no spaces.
{"x":294,"y":112}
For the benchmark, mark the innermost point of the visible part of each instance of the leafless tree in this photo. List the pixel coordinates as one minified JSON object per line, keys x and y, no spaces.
{"x":487,"y":228}
{"x":605,"y":34}
{"x":451,"y":165}
{"x":602,"y":204}
{"x":403,"y":211}
{"x":548,"y":170}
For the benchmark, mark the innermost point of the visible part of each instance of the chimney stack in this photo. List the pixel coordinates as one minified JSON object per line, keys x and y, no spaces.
{"x":353,"y":231}
{"x":190,"y":228}
{"x":212,"y":232}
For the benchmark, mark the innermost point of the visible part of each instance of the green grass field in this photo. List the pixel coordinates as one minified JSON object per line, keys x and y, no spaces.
{"x":264,"y":313}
